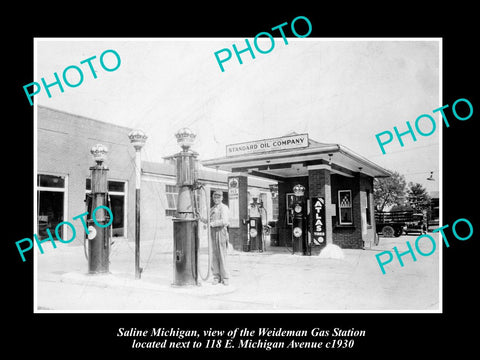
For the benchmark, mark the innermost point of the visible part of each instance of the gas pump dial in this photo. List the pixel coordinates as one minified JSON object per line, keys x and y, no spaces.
{"x":92,"y":232}
{"x":297,"y":232}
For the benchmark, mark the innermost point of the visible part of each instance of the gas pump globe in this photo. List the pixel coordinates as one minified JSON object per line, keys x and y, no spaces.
{"x":185,"y":138}
{"x":99,"y":153}
{"x":187,"y":169}
{"x":299,"y":190}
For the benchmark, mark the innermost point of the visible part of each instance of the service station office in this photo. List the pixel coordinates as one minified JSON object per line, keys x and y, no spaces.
{"x":331,"y":173}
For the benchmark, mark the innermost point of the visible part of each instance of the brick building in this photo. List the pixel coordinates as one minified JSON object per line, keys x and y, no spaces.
{"x":63,"y":160}
{"x":341,"y":178}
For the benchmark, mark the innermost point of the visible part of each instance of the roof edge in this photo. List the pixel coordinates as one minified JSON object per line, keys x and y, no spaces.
{"x":350,"y":153}
{"x":82,"y":117}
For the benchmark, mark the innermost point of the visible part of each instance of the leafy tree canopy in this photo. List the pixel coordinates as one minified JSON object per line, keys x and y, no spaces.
{"x":389,"y":191}
{"x":417,"y":196}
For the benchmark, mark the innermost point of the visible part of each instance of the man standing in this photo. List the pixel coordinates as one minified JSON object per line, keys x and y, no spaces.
{"x":219,"y":215}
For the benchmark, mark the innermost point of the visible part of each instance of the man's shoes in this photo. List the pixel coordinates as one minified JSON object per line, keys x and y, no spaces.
{"x":217,"y":281}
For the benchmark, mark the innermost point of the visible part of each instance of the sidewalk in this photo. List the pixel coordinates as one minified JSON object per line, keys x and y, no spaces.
{"x":274,"y":280}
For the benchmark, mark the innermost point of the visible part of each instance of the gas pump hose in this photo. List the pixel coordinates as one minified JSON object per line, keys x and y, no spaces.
{"x":85,"y":247}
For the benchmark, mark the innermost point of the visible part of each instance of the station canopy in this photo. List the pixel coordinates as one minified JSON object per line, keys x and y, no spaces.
{"x":292,"y":155}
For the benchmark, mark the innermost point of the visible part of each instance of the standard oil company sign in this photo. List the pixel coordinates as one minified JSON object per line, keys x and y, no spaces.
{"x":281,"y":143}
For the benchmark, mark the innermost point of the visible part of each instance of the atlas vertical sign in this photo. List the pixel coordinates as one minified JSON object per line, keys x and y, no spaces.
{"x":318,"y":221}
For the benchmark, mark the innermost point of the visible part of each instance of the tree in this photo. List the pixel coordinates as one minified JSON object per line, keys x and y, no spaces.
{"x":417,"y":196}
{"x":389,"y":191}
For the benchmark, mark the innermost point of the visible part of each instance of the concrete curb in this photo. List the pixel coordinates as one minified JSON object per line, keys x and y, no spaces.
{"x":122,"y":280}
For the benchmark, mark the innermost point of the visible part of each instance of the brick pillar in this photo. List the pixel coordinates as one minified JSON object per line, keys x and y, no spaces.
{"x":319,"y":185}
{"x":238,"y":204}
{"x":358,"y":208}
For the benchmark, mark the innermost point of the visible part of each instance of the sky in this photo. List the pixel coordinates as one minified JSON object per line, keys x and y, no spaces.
{"x":342,"y":91}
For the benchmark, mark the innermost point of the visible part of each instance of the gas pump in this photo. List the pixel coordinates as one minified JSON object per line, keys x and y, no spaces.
{"x":299,"y":221}
{"x":186,"y":223}
{"x":98,"y":237}
{"x":256,"y":219}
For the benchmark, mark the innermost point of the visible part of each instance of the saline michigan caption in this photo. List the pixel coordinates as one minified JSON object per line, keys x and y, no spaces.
{"x":180,"y":334}
{"x":244,"y":342}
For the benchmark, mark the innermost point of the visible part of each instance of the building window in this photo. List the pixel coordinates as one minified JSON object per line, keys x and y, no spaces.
{"x":345,"y":207}
{"x":51,"y":181}
{"x":369,"y":215}
{"x":171,"y":191}
{"x":116,"y":191}
{"x":50,"y":204}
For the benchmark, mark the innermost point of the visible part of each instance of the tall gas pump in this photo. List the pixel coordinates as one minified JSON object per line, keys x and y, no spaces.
{"x":256,"y":221}
{"x":186,"y":222}
{"x":299,"y":221}
{"x":98,"y":231}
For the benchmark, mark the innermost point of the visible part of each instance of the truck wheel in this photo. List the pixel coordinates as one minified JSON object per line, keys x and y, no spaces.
{"x":388,"y":231}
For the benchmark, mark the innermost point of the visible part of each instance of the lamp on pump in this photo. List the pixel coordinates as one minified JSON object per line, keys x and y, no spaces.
{"x":99,"y":153}
{"x":185,"y":138}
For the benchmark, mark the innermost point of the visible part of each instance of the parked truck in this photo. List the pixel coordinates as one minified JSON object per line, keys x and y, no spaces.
{"x":395,"y":223}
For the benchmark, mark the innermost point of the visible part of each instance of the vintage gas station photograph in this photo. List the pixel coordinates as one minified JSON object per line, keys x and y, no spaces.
{"x":237,"y":175}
